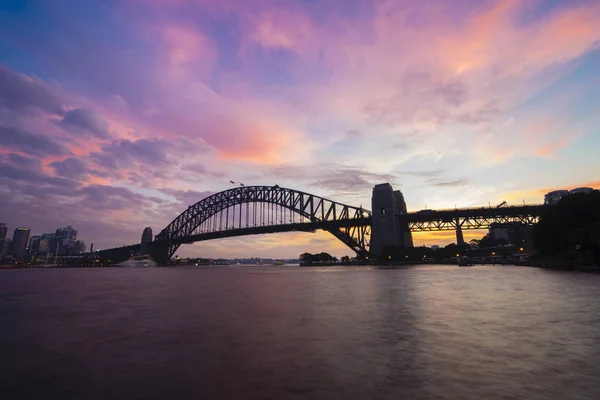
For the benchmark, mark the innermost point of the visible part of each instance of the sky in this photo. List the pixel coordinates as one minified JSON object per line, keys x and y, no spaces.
{"x":118,"y":114}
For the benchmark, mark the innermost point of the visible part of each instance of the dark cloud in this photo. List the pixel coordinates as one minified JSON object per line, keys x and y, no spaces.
{"x":26,"y":171}
{"x":187,"y":197}
{"x":23,"y":161}
{"x":30,"y":143}
{"x":351,"y":180}
{"x":83,"y":121}
{"x":430,"y":173}
{"x":21,"y":93}
{"x":70,"y":168}
{"x":448,"y":183}
{"x":126,"y":152}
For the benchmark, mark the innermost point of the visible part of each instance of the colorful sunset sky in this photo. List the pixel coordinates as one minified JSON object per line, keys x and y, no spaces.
{"x":118,"y":114}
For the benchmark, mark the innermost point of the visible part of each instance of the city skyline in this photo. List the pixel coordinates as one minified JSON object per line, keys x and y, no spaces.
{"x":118,"y":115}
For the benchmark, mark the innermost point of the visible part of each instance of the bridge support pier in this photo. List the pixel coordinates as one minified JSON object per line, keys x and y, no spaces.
{"x":389,"y":229}
{"x":159,"y":252}
{"x":460,"y":240}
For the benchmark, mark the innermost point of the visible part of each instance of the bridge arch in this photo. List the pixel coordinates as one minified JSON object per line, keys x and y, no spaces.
{"x":349,"y":224}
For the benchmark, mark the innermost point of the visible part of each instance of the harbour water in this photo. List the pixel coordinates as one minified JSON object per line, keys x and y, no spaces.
{"x":279,"y":332}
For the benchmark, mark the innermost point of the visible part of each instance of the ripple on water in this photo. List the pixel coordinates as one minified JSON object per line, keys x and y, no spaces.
{"x":287,"y":332}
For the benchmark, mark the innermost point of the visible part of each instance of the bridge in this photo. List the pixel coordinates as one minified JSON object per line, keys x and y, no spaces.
{"x":252,"y":210}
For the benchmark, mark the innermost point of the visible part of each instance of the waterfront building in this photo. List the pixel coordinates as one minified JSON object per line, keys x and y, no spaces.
{"x":554,"y":196}
{"x":3,"y":232}
{"x":19,"y":242}
{"x":43,"y":246}
{"x":79,"y":247}
{"x":34,"y":245}
{"x":515,"y":233}
{"x":585,"y":190}
{"x":67,"y":235}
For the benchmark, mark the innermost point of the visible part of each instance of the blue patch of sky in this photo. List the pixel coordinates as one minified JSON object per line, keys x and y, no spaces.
{"x":79,"y":43}
{"x":535,"y":11}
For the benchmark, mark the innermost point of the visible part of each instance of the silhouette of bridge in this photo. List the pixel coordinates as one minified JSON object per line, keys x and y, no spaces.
{"x":251,"y":210}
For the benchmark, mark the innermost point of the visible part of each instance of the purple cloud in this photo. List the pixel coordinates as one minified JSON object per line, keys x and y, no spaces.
{"x":70,"y":168}
{"x":84,"y":121}
{"x":34,"y":144}
{"x":21,"y":93}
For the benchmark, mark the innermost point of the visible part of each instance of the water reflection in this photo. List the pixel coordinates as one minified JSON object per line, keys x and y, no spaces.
{"x":285,"y":332}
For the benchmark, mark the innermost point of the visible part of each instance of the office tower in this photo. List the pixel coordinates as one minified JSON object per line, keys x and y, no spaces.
{"x":19,"y":242}
{"x":3,"y":232}
{"x":34,"y":245}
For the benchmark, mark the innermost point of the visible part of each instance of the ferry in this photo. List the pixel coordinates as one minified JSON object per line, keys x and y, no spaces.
{"x":138,"y":262}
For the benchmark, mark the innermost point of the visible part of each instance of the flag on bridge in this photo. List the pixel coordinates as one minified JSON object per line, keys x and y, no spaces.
{"x":241,"y":184}
{"x":232,"y":182}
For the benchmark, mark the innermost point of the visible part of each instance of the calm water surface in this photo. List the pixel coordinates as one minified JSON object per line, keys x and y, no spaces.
{"x":435,"y":332}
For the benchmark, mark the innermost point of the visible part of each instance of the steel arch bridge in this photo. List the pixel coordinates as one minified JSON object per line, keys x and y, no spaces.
{"x":250,"y":210}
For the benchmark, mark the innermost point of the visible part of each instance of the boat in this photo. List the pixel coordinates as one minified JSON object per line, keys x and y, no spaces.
{"x":465,"y":262}
{"x":138,"y":262}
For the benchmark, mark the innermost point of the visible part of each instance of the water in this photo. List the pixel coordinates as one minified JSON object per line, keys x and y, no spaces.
{"x":435,"y":332}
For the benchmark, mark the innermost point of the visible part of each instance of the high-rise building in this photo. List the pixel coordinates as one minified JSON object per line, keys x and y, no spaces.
{"x":6,"y":248}
{"x":34,"y":245}
{"x":3,"y":232}
{"x":19,"y":242}
{"x":48,"y":239}
{"x":43,"y":246}
{"x":63,"y":241}
{"x":146,"y":239}
{"x":68,"y":235}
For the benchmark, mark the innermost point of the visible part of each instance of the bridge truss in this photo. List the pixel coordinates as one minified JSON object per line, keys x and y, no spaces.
{"x":265,"y":209}
{"x":472,"y":218}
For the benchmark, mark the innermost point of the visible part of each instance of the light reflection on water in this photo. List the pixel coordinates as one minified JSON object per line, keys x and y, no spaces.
{"x":289,"y":332}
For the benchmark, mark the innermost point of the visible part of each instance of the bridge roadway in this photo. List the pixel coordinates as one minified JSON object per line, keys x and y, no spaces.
{"x":420,"y":221}
{"x":471,"y":218}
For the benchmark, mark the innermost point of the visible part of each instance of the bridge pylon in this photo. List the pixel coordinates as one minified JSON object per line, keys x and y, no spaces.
{"x":460,"y":239}
{"x":389,"y":227}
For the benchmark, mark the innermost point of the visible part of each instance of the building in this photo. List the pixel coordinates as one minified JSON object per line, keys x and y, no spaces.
{"x":43,"y":246}
{"x":68,"y":236}
{"x":3,"y":232}
{"x":554,"y":196}
{"x":516,"y":234}
{"x":79,"y":247}
{"x":62,"y":241}
{"x":34,"y":245}
{"x":6,"y":248}
{"x":146,"y":239}
{"x":19,"y":242}
{"x":585,"y":190}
